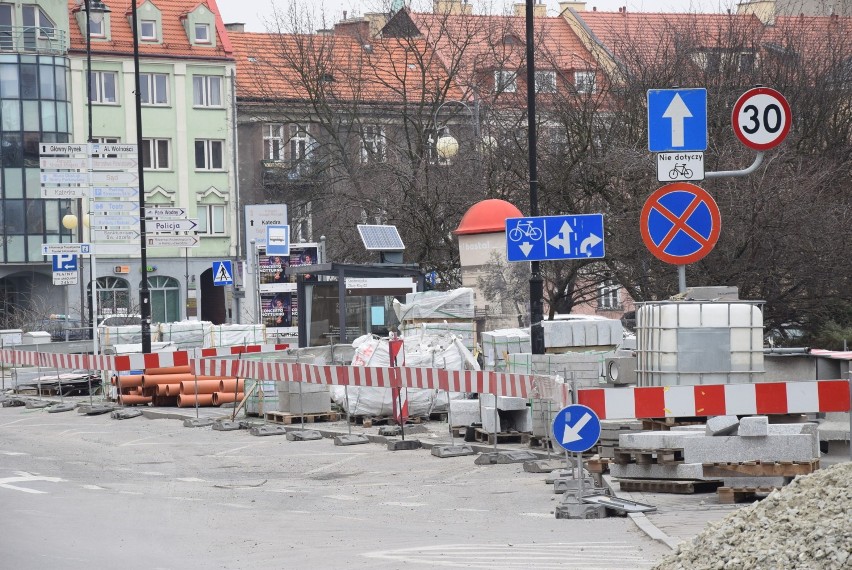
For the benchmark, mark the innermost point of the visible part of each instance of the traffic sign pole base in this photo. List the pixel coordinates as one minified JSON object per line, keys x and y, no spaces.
{"x":571,"y":508}
{"x":444,"y":451}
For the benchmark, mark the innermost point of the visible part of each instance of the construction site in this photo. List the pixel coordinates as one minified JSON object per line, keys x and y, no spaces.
{"x":708,"y":441}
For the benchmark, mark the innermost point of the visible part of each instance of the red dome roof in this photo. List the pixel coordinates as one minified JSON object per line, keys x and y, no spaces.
{"x":487,"y":217}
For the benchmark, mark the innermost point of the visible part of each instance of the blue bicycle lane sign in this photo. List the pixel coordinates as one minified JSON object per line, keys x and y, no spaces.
{"x":548,"y":238}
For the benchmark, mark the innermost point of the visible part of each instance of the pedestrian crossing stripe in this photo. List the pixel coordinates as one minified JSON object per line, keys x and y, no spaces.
{"x":222,"y":274}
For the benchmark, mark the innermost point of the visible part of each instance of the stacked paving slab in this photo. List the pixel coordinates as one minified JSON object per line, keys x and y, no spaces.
{"x":723,"y":440}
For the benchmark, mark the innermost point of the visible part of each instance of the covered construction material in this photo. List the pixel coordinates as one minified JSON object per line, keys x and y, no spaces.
{"x":455,"y":304}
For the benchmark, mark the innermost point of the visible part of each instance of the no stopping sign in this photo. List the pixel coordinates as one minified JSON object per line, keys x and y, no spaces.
{"x":761,"y":118}
{"x":680,"y":223}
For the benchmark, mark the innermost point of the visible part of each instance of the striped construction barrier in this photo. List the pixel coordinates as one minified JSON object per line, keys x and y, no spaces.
{"x":609,"y":403}
{"x":718,"y":399}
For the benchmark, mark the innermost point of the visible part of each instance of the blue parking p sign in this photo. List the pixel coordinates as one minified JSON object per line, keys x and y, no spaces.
{"x":677,"y":120}
{"x":64,"y":262}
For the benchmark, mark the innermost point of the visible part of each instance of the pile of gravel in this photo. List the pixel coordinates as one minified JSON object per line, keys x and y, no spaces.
{"x":805,"y":525}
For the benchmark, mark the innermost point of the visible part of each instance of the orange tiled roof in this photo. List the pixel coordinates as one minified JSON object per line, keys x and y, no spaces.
{"x":647,"y":34}
{"x":175,"y":40}
{"x":272,"y":66}
{"x":498,"y":42}
{"x":811,"y":36}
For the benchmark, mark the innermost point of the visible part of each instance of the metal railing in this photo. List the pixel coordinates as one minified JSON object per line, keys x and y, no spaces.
{"x":33,"y":39}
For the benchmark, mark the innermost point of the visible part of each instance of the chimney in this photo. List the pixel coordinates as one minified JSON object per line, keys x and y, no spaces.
{"x":357,"y":28}
{"x":235,"y":27}
{"x":576,"y":6}
{"x":539,"y":10}
{"x":452,"y":7}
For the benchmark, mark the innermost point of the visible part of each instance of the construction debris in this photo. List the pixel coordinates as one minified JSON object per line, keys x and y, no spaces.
{"x":803,"y":525}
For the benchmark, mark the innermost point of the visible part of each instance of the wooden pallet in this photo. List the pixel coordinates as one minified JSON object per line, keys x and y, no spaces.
{"x":761,"y":468}
{"x":731,"y":495}
{"x":661,"y":456}
{"x":668,"y":486}
{"x":289,"y":419}
{"x":541,"y":442}
{"x":483,"y":436}
{"x":598,"y":465}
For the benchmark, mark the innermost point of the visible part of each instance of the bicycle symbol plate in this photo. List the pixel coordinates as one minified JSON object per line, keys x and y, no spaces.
{"x":546,"y":238}
{"x":680,"y":166}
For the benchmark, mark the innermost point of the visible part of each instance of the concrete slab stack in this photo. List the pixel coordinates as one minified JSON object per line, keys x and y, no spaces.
{"x":585,"y":368}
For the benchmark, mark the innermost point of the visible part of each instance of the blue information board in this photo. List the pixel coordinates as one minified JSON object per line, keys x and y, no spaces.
{"x":677,"y":120}
{"x":546,"y":238}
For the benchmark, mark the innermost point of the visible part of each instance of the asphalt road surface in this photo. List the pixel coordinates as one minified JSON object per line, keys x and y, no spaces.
{"x":90,"y":492}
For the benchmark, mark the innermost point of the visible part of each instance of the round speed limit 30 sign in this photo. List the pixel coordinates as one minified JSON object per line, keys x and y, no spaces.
{"x":761,"y":118}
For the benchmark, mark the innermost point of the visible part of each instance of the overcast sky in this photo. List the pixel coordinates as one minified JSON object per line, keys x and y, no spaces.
{"x":254,"y":13}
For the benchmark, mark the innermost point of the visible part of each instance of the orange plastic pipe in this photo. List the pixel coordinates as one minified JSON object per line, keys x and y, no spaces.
{"x":152,"y":379}
{"x":128,"y":381}
{"x":168,"y":389}
{"x":204,"y":387}
{"x":132,"y":399}
{"x":230,"y":384}
{"x":187,"y":401}
{"x":169,"y":370}
{"x":220,"y":398}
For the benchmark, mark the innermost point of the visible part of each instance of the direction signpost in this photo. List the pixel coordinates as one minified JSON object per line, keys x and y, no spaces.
{"x":544,"y":238}
{"x":162,"y":240}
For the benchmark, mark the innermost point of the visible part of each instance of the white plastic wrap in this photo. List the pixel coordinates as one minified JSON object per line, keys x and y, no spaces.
{"x":186,"y":334}
{"x":429,"y":351}
{"x":127,"y":334}
{"x":455,"y":304}
{"x":233,"y":335}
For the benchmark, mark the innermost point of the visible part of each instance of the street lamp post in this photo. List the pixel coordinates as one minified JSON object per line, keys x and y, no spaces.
{"x":446,"y":145}
{"x":536,"y":281}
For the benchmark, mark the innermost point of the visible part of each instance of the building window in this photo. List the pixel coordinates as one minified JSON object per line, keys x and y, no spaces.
{"x":373,"y":144}
{"x":302,"y":144}
{"x":211,"y":219}
{"x":155,"y":154}
{"x":302,"y":222}
{"x":206,"y":91}
{"x":608,"y":295}
{"x":545,"y":82}
{"x":35,"y":17}
{"x":104,"y":87}
{"x":148,"y":30}
{"x":209,"y":154}
{"x":113,"y":297}
{"x":165,"y":299}
{"x":96,"y":28}
{"x":154,"y":88}
{"x":202,"y":33}
{"x":273,"y":141}
{"x":505,"y":81}
{"x":584,"y":82}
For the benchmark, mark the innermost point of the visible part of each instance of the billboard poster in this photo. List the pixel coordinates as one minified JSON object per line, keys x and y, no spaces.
{"x":271,"y":269}
{"x":278,"y":309}
{"x":301,"y":254}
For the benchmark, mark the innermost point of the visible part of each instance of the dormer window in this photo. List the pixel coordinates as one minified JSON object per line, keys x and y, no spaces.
{"x":202,"y":33}
{"x":96,"y":27}
{"x":148,"y":30}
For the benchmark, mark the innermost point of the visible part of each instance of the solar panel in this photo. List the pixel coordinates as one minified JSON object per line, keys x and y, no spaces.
{"x":380,"y":238}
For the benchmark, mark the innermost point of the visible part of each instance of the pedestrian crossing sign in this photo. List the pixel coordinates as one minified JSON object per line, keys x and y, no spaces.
{"x":222,"y":273}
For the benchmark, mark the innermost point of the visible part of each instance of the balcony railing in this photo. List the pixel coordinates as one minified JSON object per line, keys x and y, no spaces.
{"x":277,"y":172}
{"x":33,"y":39}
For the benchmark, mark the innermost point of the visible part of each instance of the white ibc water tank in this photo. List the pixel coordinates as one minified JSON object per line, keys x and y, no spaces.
{"x":690,"y":343}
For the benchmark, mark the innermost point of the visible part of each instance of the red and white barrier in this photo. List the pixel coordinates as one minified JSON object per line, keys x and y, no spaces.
{"x":718,"y":399}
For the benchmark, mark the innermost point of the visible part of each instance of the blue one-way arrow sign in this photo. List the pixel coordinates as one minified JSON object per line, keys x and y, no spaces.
{"x":677,"y":120}
{"x":544,"y":238}
{"x":576,"y":428}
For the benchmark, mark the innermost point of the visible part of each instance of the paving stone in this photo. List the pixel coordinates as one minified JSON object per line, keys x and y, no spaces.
{"x":656,"y":439}
{"x":754,"y":426}
{"x":465,"y":412}
{"x":679,"y":471}
{"x":735,"y":449}
{"x":722,"y":425}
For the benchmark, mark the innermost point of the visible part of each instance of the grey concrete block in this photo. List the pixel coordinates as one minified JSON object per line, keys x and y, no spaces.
{"x":464,"y":412}
{"x":741,"y":482}
{"x":444,"y":451}
{"x":197,"y":422}
{"x":268,"y":430}
{"x":304,"y":435}
{"x":411,"y":429}
{"x":505,"y":457}
{"x":354,"y":439}
{"x":754,"y":426}
{"x":735,"y":449}
{"x":509,"y":420}
{"x":503,"y":402}
{"x":722,"y":425}
{"x":656,"y":439}
{"x":125,"y":414}
{"x":59,"y":408}
{"x":404,"y":444}
{"x":37,"y":404}
{"x":390,"y":431}
{"x":679,"y":471}
{"x":568,"y":485}
{"x":580,"y":511}
{"x":226,"y":425}
{"x":543,"y":466}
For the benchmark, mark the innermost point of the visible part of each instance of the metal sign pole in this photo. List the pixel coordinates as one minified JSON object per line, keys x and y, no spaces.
{"x":681,"y":278}
{"x":348,"y":410}
{"x":450,"y":419}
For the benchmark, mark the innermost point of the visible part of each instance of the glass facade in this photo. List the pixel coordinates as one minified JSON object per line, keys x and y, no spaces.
{"x":35,"y":107}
